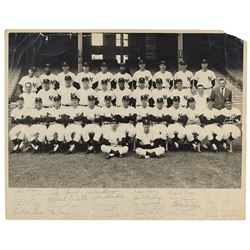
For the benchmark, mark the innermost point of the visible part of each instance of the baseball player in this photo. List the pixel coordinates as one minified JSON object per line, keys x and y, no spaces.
{"x":159,"y":118}
{"x":104,"y":74}
{"x":85,"y":91}
{"x":140,"y":91}
{"x":113,"y":141}
{"x":185,"y":75}
{"x":127,"y":117}
{"x":65,"y":72}
{"x":56,"y":129}
{"x":205,"y":77}
{"x":201,"y":97}
{"x":121,"y":91}
{"x":142,"y":112}
{"x":104,"y":92}
{"x":125,"y":75}
{"x":211,"y":119}
{"x":181,"y":92}
{"x":36,"y":85}
{"x":17,"y":133}
{"x":178,"y":119}
{"x":86,"y":74}
{"x":54,"y":82}
{"x":165,"y":76}
{"x":28,"y":96}
{"x":47,"y":94}
{"x":73,"y":130}
{"x":147,"y":144}
{"x":142,"y":73}
{"x":195,"y":134}
{"x":92,"y":132}
{"x":160,"y":92}
{"x":66,"y":91}
{"x":231,"y":121}
{"x":37,"y":131}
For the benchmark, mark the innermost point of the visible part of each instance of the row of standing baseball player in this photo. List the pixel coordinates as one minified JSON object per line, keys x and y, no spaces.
{"x":67,"y":88}
{"x":204,"y":76}
{"x":113,"y":129}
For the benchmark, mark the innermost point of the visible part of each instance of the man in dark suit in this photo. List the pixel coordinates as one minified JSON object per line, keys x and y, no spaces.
{"x":219,"y":93}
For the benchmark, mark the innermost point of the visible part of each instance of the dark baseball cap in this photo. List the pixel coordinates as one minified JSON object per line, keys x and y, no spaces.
{"x":57,"y":98}
{"x":146,"y":121}
{"x":158,"y":80}
{"x":38,"y":99}
{"x":20,"y":98}
{"x":85,"y":64}
{"x":74,"y":97}
{"x":65,"y":64}
{"x":122,"y":80}
{"x":67,"y":78}
{"x":190,"y":99}
{"x":91,"y":98}
{"x":141,"y":80}
{"x":227,"y":99}
{"x":210,"y":99}
{"x":200,"y":85}
{"x":178,"y":80}
{"x":204,"y":60}
{"x":159,"y":100}
{"x":85,"y":79}
{"x":104,"y":81}
{"x":125,"y":98}
{"x":176,"y":98}
{"x":144,"y":97}
{"x":163,"y":62}
{"x":46,"y":81}
{"x":104,"y":64}
{"x":107,"y":98}
{"x":47,"y":65}
{"x":28,"y":83}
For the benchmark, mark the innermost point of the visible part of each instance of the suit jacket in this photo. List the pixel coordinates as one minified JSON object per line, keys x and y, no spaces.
{"x":219,"y":98}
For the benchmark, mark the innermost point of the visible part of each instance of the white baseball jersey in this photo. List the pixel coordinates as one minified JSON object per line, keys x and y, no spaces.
{"x":61,"y":77}
{"x":101,"y":94}
{"x":47,"y":96}
{"x":166,"y":77}
{"x":66,"y":93}
{"x":52,"y":77}
{"x":18,"y":113}
{"x":186,"y":77}
{"x":138,"y":93}
{"x":147,"y":138}
{"x":144,"y":74}
{"x":211,"y":113}
{"x":184,"y":94}
{"x":193,"y":115}
{"x":160,"y":93}
{"x":204,"y":78}
{"x":33,"y":80}
{"x":119,"y":95}
{"x":176,"y":113}
{"x":29,"y":100}
{"x":104,"y":76}
{"x":143,"y":112}
{"x":84,"y":93}
{"x":108,"y":112}
{"x":201,"y":101}
{"x":57,"y":112}
{"x":230,"y":113}
{"x":91,"y":113}
{"x":91,"y":76}
{"x":159,"y":112}
{"x":114,"y":136}
{"x":127,"y":77}
{"x":35,"y":113}
{"x":129,"y":111}
{"x":74,"y":111}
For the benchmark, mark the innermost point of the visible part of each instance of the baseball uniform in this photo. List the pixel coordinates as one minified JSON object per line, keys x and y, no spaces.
{"x":166,"y":77}
{"x":47,"y":97}
{"x":101,"y":95}
{"x":66,"y":94}
{"x":184,"y":94}
{"x":91,"y":77}
{"x":144,"y":74}
{"x":29,"y":100}
{"x":139,"y":92}
{"x":83,"y":95}
{"x":33,"y":80}
{"x":126,"y":76}
{"x":160,"y":93}
{"x":61,"y":78}
{"x":119,"y":94}
{"x":108,"y":76}
{"x":186,"y":77}
{"x":205,"y":78}
{"x":51,"y":77}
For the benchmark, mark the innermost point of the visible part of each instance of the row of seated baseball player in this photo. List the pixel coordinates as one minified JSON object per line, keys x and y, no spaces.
{"x":115,"y":130}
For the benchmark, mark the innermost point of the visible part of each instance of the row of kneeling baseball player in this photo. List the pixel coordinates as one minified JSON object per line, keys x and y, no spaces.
{"x":115,"y":130}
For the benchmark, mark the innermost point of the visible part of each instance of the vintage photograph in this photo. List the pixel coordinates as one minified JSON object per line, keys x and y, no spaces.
{"x":125,"y":110}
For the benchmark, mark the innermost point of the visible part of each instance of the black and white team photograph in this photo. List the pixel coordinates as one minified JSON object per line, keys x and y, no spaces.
{"x":125,"y":110}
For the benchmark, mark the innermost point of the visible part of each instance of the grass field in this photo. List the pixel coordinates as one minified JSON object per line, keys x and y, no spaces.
{"x":183,"y":169}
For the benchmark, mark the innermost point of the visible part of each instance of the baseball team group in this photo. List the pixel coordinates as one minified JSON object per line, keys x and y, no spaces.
{"x":117,"y":113}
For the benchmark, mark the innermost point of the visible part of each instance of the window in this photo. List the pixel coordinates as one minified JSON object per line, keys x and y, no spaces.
{"x":96,"y":57}
{"x":121,"y":40}
{"x":119,"y":58}
{"x":97,"y":39}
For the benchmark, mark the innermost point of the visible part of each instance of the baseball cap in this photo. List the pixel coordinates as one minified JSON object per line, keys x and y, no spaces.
{"x":125,"y":98}
{"x":144,"y":97}
{"x":20,"y":98}
{"x":74,"y":97}
{"x":190,"y":99}
{"x":38,"y":99}
{"x":104,"y":81}
{"x":141,"y":61}
{"x":146,"y":121}
{"x":163,"y":62}
{"x":28,"y":83}
{"x":107,"y":98}
{"x":47,"y":65}
{"x":121,"y":80}
{"x":65,"y":64}
{"x":141,"y":80}
{"x":200,"y":85}
{"x":67,"y":78}
{"x":227,"y":99}
{"x":210,"y":99}
{"x":57,"y":98}
{"x":85,"y":64}
{"x":158,"y":80}
{"x":178,"y":80}
{"x":182,"y":62}
{"x":91,"y":98}
{"x":104,"y":64}
{"x":204,"y":60}
{"x":85,"y":79}
{"x":176,"y":98}
{"x":159,"y":100}
{"x":46,"y":81}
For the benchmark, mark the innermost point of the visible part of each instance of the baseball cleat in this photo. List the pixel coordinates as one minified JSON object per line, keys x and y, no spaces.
{"x":224,"y":145}
{"x":214,"y":147}
{"x":176,"y":145}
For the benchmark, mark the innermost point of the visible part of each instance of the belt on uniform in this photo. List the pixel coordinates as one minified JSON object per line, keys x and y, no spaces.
{"x":164,"y":123}
{"x":106,"y":123}
{"x":66,"y":105}
{"x":83,"y":105}
{"x":47,"y":106}
{"x":208,"y":88}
